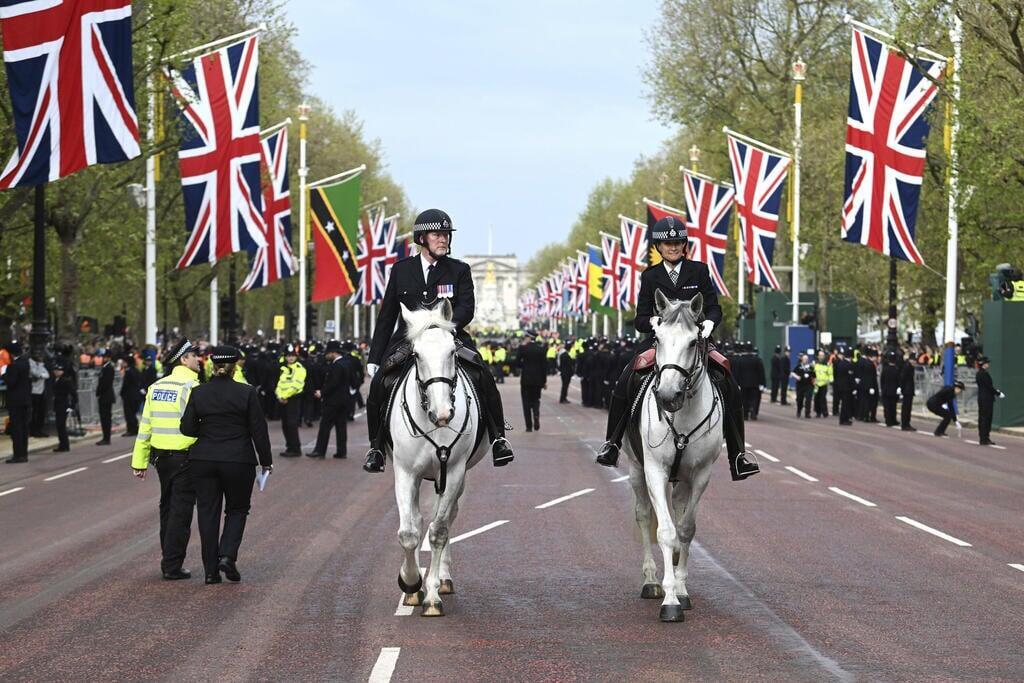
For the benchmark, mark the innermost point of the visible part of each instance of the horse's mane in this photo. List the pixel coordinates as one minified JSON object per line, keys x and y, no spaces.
{"x":418,"y":322}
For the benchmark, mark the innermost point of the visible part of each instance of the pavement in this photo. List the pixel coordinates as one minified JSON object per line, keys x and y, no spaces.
{"x":859,"y":553}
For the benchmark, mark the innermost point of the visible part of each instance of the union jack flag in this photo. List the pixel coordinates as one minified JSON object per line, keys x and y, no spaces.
{"x":886,"y":132}
{"x":276,"y":260}
{"x":611,"y":292}
{"x":374,"y":252}
{"x":758,"y":176}
{"x":582,"y":283}
{"x":543,"y":298}
{"x":69,"y":70}
{"x":709,"y":205}
{"x":569,"y":287}
{"x":220,"y":154}
{"x":632,"y":260}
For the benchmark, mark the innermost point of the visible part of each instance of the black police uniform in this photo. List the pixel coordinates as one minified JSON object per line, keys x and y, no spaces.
{"x":943,"y":404}
{"x":779,"y":375}
{"x":907,"y":391}
{"x":987,"y":394}
{"x":804,"y":375}
{"x":890,"y":382}
{"x":842,"y":379}
{"x":18,"y":380}
{"x":63,"y":400}
{"x":105,"y":397}
{"x":336,"y":400}
{"x":132,"y":396}
{"x":533,"y":364}
{"x":565,"y":370}
{"x":693,"y":278}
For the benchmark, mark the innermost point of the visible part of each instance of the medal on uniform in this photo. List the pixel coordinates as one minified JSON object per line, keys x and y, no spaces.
{"x":445,"y":291}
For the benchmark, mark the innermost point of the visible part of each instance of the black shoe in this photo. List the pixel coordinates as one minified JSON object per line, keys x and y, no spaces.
{"x":501,"y":452}
{"x":536,"y":426}
{"x":340,"y":456}
{"x":12,"y":460}
{"x":129,"y":434}
{"x":289,"y":454}
{"x":608,"y":455}
{"x":940,"y":434}
{"x":314,"y":454}
{"x":374,"y":461}
{"x":103,"y":442}
{"x":907,"y":429}
{"x":227,"y":565}
{"x":563,"y":401}
{"x":213,"y":578}
{"x":529,"y":429}
{"x":845,"y":423}
{"x":177,"y":575}
{"x":741,"y":467}
{"x":61,"y":449}
{"x":987,"y":442}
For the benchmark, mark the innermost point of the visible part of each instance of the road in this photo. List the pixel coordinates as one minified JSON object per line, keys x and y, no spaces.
{"x":860,"y":553}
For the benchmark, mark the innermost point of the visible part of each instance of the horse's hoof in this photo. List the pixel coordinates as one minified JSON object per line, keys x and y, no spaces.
{"x":413,"y":599}
{"x":652,"y":591}
{"x":671,"y":613}
{"x":406,"y":588}
{"x":447,"y":587}
{"x":432,"y":609}
{"x":684,"y":601}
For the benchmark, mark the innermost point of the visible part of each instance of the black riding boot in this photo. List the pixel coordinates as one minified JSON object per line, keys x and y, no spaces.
{"x":375,"y":397}
{"x":618,"y":416}
{"x":740,"y":465}
{"x":501,"y":450}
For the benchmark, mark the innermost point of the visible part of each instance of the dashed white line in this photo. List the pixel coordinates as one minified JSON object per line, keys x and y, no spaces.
{"x":934,"y":532}
{"x":474,"y":532}
{"x":800,"y":473}
{"x":556,"y":501}
{"x":858,"y":499}
{"x":66,"y":474}
{"x":622,"y":478}
{"x":970,"y":441}
{"x":14,"y":490}
{"x":117,"y":457}
{"x":766,"y":456}
{"x":385,"y":666}
{"x":1002,"y":448}
{"x":1017,"y":566}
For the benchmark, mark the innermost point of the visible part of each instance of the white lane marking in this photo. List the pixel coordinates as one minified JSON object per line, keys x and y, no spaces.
{"x":862,"y":501}
{"x":66,"y":474}
{"x":385,"y":665}
{"x":403,"y":609}
{"x":14,"y":490}
{"x":622,"y":478}
{"x":556,"y":501}
{"x":359,"y":414}
{"x":117,"y":457}
{"x":747,"y":444}
{"x":1017,"y":566}
{"x":934,"y":532}
{"x":800,"y":473}
{"x":474,"y":532}
{"x":1002,"y":448}
{"x":969,"y":441}
{"x":766,"y":456}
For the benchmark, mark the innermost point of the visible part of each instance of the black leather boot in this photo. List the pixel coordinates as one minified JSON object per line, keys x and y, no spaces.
{"x":742,"y":463}
{"x":608,"y":455}
{"x":487,"y":390}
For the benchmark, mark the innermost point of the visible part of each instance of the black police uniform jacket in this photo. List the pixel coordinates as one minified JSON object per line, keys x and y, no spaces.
{"x":693,"y":278}
{"x":533,"y":364}
{"x":338,"y":381}
{"x":987,"y":392}
{"x":227,"y":418}
{"x":449,"y":279}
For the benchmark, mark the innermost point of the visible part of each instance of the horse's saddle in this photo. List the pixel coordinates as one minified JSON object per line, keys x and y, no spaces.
{"x":644,"y":361}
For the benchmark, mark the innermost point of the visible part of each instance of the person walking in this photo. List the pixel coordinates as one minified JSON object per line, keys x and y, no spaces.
{"x":943,"y":404}
{"x":105,"y":397}
{"x":336,"y":396}
{"x":842,"y":385}
{"x":63,"y":402}
{"x":18,"y":378}
{"x":533,"y":366}
{"x":803,"y":373}
{"x":987,"y":395}
{"x":132,"y":395}
{"x":565,"y":371}
{"x":232,"y":441}
{"x":39,"y":373}
{"x":890,"y":386}
{"x":822,"y":378}
{"x":161,"y":441}
{"x":290,"y":385}
{"x":906,"y":392}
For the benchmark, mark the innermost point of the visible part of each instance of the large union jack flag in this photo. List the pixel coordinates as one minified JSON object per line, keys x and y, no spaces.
{"x":758,"y":176}
{"x":886,"y":131}
{"x":611,"y":252}
{"x":375,"y":256}
{"x":632,"y":260}
{"x":276,"y":260}
{"x":220,"y":153}
{"x":709,"y":205}
{"x":69,"y":70}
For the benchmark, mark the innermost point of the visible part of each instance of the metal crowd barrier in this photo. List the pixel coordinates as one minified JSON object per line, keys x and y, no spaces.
{"x":928,"y":380}
{"x":88,"y":406}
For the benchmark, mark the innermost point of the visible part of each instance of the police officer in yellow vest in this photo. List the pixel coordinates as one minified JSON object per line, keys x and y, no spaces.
{"x":290,"y":385}
{"x":500,"y":358}
{"x":823,"y":376}
{"x":160,"y":439}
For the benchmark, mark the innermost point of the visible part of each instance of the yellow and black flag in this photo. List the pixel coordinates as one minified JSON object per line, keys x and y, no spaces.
{"x":334,"y":212}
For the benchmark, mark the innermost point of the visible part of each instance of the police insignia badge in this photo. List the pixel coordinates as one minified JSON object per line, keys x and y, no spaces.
{"x":445,"y":291}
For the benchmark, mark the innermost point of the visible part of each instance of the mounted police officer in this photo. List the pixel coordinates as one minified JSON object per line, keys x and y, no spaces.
{"x":418,"y":282}
{"x":680,"y":279}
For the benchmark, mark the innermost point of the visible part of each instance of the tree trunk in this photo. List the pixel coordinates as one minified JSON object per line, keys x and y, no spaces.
{"x":68,"y":330}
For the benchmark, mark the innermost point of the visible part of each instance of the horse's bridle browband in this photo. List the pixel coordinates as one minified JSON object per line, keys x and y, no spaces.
{"x":690,"y":376}
{"x":423,"y":384}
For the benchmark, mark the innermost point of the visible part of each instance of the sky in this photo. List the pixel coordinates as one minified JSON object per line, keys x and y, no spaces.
{"x":503,"y":114}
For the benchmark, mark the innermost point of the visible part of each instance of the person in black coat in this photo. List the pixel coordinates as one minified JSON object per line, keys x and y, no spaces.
{"x":533,"y":377}
{"x":867,"y":388}
{"x":779,"y":375}
{"x":943,"y":404}
{"x":232,"y":441}
{"x":356,"y":375}
{"x":335,"y":396}
{"x":418,"y":282}
{"x":907,"y":391}
{"x":106,"y":397}
{"x":890,"y":382}
{"x":132,"y":395}
{"x":803,"y":373}
{"x":18,"y":378}
{"x":842,"y":386}
{"x":565,"y":371}
{"x":147,"y":375}
{"x":63,"y":403}
{"x":987,"y":395}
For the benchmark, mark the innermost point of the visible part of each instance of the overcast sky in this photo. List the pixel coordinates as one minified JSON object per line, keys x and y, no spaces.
{"x":503,"y":117}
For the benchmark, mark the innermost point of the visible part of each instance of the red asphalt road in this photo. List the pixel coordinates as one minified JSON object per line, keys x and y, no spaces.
{"x":789,"y":579}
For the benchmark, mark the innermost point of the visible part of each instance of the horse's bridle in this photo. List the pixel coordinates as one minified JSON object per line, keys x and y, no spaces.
{"x":423,"y":384}
{"x":690,"y":376}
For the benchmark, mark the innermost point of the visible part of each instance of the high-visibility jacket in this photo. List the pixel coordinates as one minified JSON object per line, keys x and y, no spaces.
{"x":1018,"y":291}
{"x":161,"y":416}
{"x":552,"y":352}
{"x":239,"y":375}
{"x":292,"y":381}
{"x":485,"y":354}
{"x":500,"y":354}
{"x":823,"y":375}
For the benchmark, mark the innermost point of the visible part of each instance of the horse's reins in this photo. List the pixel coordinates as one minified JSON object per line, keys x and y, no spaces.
{"x":442,"y":452}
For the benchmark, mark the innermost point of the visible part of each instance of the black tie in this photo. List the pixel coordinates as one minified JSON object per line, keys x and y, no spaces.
{"x":430,"y":269}
{"x":673,"y":275}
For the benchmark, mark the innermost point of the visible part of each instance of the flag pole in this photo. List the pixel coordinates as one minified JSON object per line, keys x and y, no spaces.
{"x":355,"y":322}
{"x":151,"y":324}
{"x":337,"y":317}
{"x":214,"y":322}
{"x":952,"y":128}
{"x":704,"y":176}
{"x":214,"y":43}
{"x":303,"y":218}
{"x":799,"y":70}
{"x":267,"y":132}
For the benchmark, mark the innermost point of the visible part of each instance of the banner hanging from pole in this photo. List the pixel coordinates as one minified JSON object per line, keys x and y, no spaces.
{"x":334,"y":213}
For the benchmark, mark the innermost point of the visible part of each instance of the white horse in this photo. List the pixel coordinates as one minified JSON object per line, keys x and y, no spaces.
{"x":679,"y":437}
{"x":434,"y":419}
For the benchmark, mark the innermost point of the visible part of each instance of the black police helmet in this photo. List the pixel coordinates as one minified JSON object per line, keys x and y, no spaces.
{"x":668,"y":229}
{"x":432,"y":220}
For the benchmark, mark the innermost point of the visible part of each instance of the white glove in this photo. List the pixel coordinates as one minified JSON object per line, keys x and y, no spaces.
{"x":371,"y":369}
{"x":871,"y":392}
{"x":958,"y":425}
{"x":1002,"y":395}
{"x":899,"y":392}
{"x":763,"y":388}
{"x":706,"y":328}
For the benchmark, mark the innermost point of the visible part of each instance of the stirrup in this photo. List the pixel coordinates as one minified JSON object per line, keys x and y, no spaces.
{"x":503,"y":459}
{"x":749,"y":468}
{"x":375,"y":461}
{"x":608,"y":455}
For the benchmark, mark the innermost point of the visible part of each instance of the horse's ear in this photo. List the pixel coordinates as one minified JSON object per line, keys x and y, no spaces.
{"x":697,"y":305}
{"x":661,"y":302}
{"x":405,"y":313}
{"x":446,"y":309}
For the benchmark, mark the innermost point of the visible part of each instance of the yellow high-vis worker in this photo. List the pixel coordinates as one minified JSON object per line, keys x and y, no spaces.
{"x":823,"y":374}
{"x":161,"y":415}
{"x":290,"y":384}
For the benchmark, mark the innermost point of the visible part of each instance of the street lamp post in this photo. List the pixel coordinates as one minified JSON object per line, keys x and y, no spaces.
{"x":799,"y":73}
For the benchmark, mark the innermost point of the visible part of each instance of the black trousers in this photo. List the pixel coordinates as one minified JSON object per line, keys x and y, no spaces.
{"x":530,"y":394}
{"x":821,"y":401}
{"x":751,"y":401}
{"x":563,"y":396}
{"x":783,"y":390}
{"x":131,"y":415}
{"x":333,"y":417}
{"x":984,"y":421}
{"x":177,"y":499}
{"x":38,"y":423}
{"x":889,"y":410}
{"x":906,"y":408}
{"x":775,"y":389}
{"x":943,"y":411}
{"x":20,"y":416}
{"x":804,"y":396}
{"x":844,"y":407}
{"x":221,"y":486}
{"x":291,"y":413}
{"x":60,"y":415}
{"x":105,"y":418}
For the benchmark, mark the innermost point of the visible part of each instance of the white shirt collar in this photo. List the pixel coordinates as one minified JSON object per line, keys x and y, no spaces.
{"x":424,"y":264}
{"x":669,"y":268}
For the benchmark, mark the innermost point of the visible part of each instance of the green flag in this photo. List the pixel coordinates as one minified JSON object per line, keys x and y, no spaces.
{"x":334,"y":216}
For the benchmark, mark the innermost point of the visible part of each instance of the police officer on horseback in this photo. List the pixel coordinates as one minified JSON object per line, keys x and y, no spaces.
{"x":418,"y":282}
{"x":680,"y":279}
